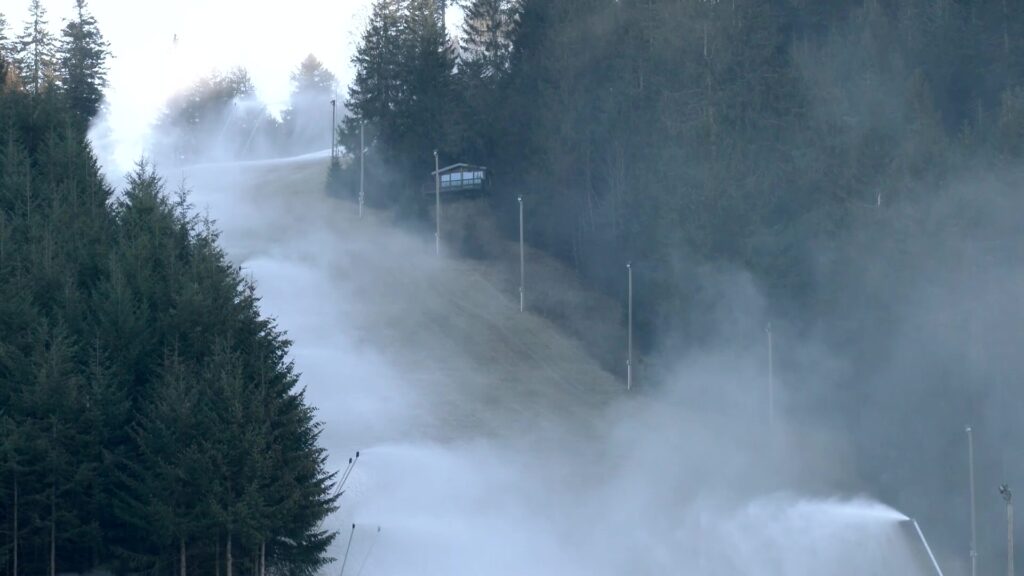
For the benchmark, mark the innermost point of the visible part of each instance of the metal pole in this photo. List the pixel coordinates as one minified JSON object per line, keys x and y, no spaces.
{"x":347,"y":549}
{"x":1008,"y":496}
{"x":334,"y":124}
{"x":362,"y":153}
{"x":970,"y":465}
{"x":1009,"y":538}
{"x":522,"y":258}
{"x":437,"y":194}
{"x":927,"y":548}
{"x":771,"y":378}
{"x":629,"y":340}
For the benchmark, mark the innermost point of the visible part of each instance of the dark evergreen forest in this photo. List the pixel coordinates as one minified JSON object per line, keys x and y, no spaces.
{"x":150,"y":420}
{"x":671,"y":133}
{"x":848,"y":170}
{"x":856,"y":161}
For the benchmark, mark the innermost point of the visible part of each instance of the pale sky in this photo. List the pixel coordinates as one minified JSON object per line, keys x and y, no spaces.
{"x":268,"y":39}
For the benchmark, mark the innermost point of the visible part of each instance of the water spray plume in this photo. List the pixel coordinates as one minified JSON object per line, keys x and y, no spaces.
{"x":368,"y":552}
{"x":456,"y":424}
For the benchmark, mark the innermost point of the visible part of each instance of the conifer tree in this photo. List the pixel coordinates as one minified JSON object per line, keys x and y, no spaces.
{"x":6,"y":53}
{"x":83,"y":57}
{"x":428,"y":62}
{"x":312,"y":77}
{"x":487,"y":31}
{"x":309,"y":111}
{"x":218,"y":116}
{"x":377,"y":87}
{"x":172,"y":468}
{"x":36,"y":57}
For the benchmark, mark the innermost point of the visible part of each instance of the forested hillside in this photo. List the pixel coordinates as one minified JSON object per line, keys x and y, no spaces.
{"x":848,"y":170}
{"x":219,"y":117}
{"x":150,"y":421}
{"x":670,"y":133}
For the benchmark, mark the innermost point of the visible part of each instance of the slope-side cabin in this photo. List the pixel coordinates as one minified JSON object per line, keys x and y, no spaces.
{"x":458,"y":180}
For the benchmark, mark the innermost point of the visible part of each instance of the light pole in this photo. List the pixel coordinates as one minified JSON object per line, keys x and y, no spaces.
{"x":1008,"y":497}
{"x":362,"y":153}
{"x":522,"y":258}
{"x":334,"y":131}
{"x":437,"y":195}
{"x":970,"y":467}
{"x":771,"y":378}
{"x":629,"y":338}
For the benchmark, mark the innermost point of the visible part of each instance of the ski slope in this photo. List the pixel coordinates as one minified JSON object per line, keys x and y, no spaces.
{"x":382,"y":313}
{"x":491,"y":442}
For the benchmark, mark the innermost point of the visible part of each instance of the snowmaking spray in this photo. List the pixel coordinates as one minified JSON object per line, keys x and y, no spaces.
{"x":373,"y":544}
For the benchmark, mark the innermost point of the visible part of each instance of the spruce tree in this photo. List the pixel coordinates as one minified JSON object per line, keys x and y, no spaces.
{"x":172,"y":468}
{"x":309,"y":111}
{"x":312,"y":77}
{"x":83,"y":61}
{"x":486,"y":49}
{"x":6,"y":53}
{"x":36,"y":57}
{"x":487,"y":31}
{"x":218,"y":117}
{"x":425,"y":117}
{"x":377,"y":87}
{"x":127,"y":334}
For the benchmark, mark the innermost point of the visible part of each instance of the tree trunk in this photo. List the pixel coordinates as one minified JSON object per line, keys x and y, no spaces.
{"x":15,"y":573}
{"x":181,"y":554}
{"x":263,"y":558}
{"x":227,"y":555}
{"x":1006,"y":31}
{"x":53,"y":507}
{"x":53,"y":530}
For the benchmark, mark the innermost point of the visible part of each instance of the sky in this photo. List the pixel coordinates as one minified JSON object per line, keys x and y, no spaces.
{"x":148,"y":66}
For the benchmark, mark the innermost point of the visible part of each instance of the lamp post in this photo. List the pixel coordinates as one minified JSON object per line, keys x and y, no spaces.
{"x":362,"y":153}
{"x":629,"y":330}
{"x":334,"y":124}
{"x":1008,"y":497}
{"x":522,"y":259}
{"x":437,"y":195}
{"x":970,"y":470}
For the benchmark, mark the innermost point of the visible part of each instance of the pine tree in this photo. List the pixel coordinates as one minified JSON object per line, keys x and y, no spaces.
{"x":309,"y":111}
{"x":377,"y":87}
{"x":487,"y":31}
{"x":83,"y":55}
{"x":52,"y":403}
{"x":486,"y":49}
{"x":6,"y":53}
{"x":312,"y":77}
{"x":172,"y":467}
{"x":36,"y":57}
{"x":128,"y":335}
{"x":426,"y":118}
